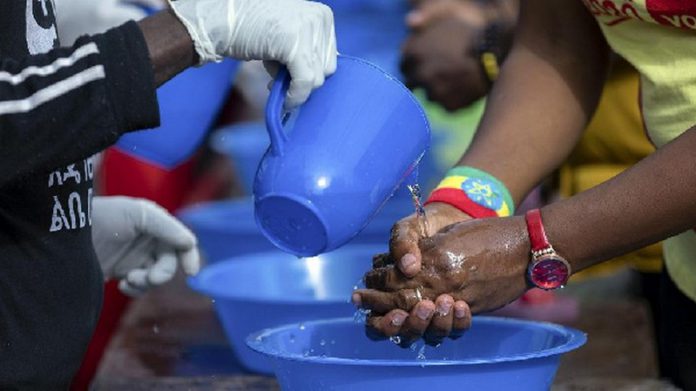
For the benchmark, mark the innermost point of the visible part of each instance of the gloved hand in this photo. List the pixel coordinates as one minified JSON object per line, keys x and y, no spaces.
{"x":140,"y":243}
{"x":297,"y":33}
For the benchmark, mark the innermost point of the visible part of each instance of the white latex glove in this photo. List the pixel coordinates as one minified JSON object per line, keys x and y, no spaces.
{"x":140,"y":243}
{"x":297,"y":33}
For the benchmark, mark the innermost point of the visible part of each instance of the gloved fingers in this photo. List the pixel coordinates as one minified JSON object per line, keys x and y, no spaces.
{"x":318,"y":72}
{"x":301,"y":83}
{"x":190,"y":261}
{"x":272,"y":68}
{"x":158,"y":223}
{"x":163,"y":269}
{"x":137,"y":278}
{"x":129,"y":290}
{"x":327,"y":51}
{"x":135,"y":283}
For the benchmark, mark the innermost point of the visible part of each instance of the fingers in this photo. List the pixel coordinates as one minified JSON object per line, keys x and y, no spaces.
{"x":403,"y":246}
{"x":417,"y":322}
{"x":461,"y":320}
{"x":301,"y":83}
{"x":315,"y":59}
{"x":389,"y":325}
{"x":135,"y":283}
{"x":382,"y":302}
{"x":158,"y":223}
{"x":442,"y":320}
{"x":424,"y":15}
{"x":190,"y":261}
{"x":163,"y":269}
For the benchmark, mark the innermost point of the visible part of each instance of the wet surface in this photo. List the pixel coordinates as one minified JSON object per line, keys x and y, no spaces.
{"x":170,"y":339}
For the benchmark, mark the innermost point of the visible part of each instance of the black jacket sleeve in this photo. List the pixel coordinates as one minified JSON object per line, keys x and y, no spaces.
{"x":69,"y":103}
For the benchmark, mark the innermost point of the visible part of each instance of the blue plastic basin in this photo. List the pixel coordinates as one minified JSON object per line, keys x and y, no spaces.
{"x":258,"y":291}
{"x":228,"y":229}
{"x":495,"y":354}
{"x":225,"y":229}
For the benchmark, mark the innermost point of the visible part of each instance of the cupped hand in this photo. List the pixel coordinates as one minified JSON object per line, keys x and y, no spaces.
{"x":469,"y":267}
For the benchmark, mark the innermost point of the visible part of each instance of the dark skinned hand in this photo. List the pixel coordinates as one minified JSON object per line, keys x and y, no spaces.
{"x":442,"y":59}
{"x":469,"y":267}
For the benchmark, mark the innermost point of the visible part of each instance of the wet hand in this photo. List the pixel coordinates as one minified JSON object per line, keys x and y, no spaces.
{"x":447,"y":68}
{"x":469,"y":267}
{"x":404,"y":251}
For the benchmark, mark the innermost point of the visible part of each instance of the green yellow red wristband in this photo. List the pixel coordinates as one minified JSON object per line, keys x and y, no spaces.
{"x":474,"y":192}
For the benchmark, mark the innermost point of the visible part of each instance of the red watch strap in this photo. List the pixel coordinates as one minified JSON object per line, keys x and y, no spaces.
{"x":535,"y":229}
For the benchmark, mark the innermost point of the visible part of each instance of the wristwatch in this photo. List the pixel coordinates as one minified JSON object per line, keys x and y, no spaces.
{"x":547,"y":270}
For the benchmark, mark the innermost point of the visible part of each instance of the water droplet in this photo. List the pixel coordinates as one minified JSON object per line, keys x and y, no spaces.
{"x":473,"y":268}
{"x":155,"y":329}
{"x":395,"y":339}
{"x":415,"y":191}
{"x":302,"y":326}
{"x":292,"y":338}
{"x":212,"y":301}
{"x":305,"y":353}
{"x":361,"y":315}
{"x":333,"y":342}
{"x":322,"y":342}
{"x":421,"y":353}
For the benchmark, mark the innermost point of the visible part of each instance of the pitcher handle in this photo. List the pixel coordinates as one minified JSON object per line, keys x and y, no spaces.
{"x":274,"y":110}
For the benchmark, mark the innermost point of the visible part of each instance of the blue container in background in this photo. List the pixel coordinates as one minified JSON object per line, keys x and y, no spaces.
{"x":185,"y":121}
{"x":495,"y":354}
{"x":371,"y":30}
{"x":225,"y":229}
{"x":258,"y":291}
{"x":244,"y":144}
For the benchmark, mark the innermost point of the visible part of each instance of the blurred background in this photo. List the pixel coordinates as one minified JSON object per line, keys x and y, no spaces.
{"x":201,"y":162}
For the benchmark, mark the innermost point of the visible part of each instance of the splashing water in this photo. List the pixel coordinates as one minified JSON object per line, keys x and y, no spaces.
{"x":395,"y":339}
{"x":455,"y":261}
{"x":415,"y":191}
{"x":360,"y":315}
{"x":421,"y":353}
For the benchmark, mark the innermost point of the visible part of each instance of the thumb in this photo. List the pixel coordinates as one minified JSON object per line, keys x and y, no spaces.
{"x":403,"y":246}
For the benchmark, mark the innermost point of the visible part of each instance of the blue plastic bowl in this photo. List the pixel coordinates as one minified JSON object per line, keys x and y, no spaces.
{"x":225,"y":229}
{"x":228,"y":229}
{"x":244,"y":144}
{"x":495,"y":354}
{"x":258,"y":291}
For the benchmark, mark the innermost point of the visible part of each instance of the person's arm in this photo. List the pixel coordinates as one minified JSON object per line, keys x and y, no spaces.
{"x":69,"y":103}
{"x":547,"y":91}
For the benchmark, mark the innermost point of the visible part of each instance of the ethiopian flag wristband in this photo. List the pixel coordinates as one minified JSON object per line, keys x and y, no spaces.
{"x":474,"y":192}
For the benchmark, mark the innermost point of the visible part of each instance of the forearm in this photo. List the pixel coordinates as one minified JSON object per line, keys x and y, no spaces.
{"x":647,"y":203}
{"x":170,"y":46}
{"x":546,"y":93}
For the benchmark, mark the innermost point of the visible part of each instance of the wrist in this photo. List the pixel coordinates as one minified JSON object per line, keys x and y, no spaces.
{"x":473,"y":192}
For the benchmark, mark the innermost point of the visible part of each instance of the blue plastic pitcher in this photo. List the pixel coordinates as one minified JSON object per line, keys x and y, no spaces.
{"x":337,"y":159}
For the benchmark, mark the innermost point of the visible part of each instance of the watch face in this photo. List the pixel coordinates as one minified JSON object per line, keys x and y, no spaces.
{"x":549,"y":272}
